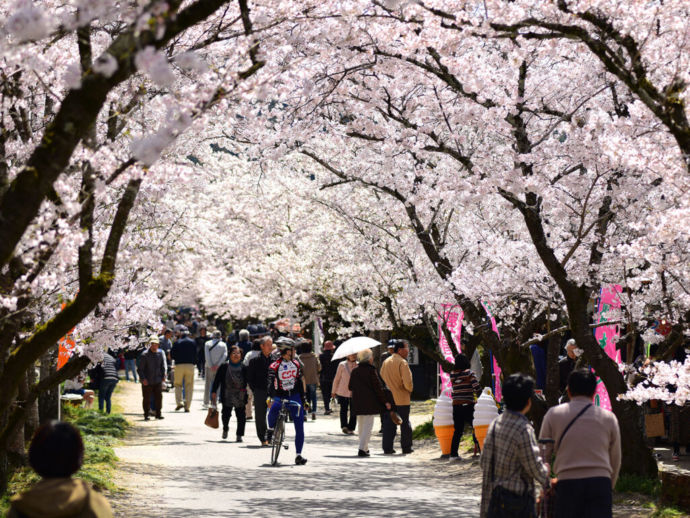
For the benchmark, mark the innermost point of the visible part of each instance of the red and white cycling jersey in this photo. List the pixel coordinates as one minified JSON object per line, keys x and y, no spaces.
{"x":284,"y":376}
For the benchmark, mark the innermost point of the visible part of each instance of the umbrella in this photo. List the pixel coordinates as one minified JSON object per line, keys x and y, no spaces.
{"x":353,"y":346}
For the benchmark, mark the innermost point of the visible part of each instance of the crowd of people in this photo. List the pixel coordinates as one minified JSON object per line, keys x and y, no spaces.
{"x":252,"y":374}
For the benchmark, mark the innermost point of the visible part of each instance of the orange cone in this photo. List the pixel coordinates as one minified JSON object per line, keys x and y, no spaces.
{"x":444,"y":434}
{"x":480,"y":434}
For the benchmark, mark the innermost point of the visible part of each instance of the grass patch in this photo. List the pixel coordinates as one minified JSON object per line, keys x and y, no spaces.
{"x":99,"y":432}
{"x":637,"y":484}
{"x":424,"y":431}
{"x":660,"y":511}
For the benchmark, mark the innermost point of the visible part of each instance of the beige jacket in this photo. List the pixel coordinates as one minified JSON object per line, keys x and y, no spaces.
{"x":397,"y":375}
{"x":60,"y":498}
{"x":312,"y":367}
{"x":341,"y":382}
{"x":592,"y":447}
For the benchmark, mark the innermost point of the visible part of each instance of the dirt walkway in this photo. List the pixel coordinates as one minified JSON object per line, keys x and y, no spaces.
{"x":180,"y":468}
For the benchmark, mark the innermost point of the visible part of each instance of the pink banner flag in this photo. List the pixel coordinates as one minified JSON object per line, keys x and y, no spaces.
{"x":606,"y":336}
{"x":452,"y":316}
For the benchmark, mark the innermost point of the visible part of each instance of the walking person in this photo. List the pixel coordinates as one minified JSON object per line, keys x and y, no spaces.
{"x":466,"y":389}
{"x":312,"y":367}
{"x":200,"y":352}
{"x":131,"y":354}
{"x":368,"y":398}
{"x":215,"y":353}
{"x":152,"y":368}
{"x":511,"y":461}
{"x":56,"y":453}
{"x":231,"y":383}
{"x":342,"y":392}
{"x":587,"y":450}
{"x":327,"y":374}
{"x":257,"y":378}
{"x":109,"y":380}
{"x":397,"y":375}
{"x":184,"y":355}
{"x":285,"y":382}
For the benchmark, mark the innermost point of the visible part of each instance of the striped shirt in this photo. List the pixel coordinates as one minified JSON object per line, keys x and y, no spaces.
{"x":465,"y":387}
{"x":511,"y":446}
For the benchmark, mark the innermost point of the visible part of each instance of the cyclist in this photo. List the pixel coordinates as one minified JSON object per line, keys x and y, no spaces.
{"x":285,"y":382}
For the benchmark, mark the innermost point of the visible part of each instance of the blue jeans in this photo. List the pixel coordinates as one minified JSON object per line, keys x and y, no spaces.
{"x":131,"y":365}
{"x":297,"y":415}
{"x":105,"y":392}
{"x":311,"y":396}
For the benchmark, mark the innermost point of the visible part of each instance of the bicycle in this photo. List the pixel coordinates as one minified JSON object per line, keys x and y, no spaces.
{"x":279,"y":430}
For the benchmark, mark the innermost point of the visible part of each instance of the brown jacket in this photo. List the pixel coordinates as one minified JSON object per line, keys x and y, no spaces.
{"x":60,"y":498}
{"x":397,"y":375}
{"x":368,"y":397}
{"x":312,"y":367}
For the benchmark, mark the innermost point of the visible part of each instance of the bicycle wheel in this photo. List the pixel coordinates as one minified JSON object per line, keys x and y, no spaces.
{"x":278,"y":435}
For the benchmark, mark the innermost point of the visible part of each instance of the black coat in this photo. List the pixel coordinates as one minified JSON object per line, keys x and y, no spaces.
{"x":257,"y":372}
{"x":328,"y":366}
{"x":368,"y":397}
{"x":218,"y":386}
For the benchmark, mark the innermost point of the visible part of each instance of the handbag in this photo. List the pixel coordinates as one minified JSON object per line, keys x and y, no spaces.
{"x":212,"y":418}
{"x":505,"y":503}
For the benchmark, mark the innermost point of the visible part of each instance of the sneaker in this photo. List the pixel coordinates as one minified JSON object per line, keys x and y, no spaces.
{"x":300,"y":461}
{"x":313,"y":416}
{"x":239,"y":438}
{"x":445,"y":456}
{"x":362,"y":453}
{"x":160,"y":417}
{"x":178,"y":407}
{"x":225,"y":433}
{"x":676,"y":457}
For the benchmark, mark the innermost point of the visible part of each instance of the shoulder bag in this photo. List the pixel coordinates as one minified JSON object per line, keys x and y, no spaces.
{"x":505,"y":503}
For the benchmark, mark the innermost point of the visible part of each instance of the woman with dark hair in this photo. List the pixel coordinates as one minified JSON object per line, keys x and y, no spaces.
{"x":231,"y":383}
{"x":56,"y":453}
{"x":465,"y":391}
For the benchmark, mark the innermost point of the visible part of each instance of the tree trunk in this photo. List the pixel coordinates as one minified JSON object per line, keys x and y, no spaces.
{"x":31,"y":422}
{"x":553,"y":379}
{"x":637,"y":457}
{"x":48,"y":401}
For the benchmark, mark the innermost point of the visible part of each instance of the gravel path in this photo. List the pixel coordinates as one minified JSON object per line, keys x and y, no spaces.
{"x":177,"y":467}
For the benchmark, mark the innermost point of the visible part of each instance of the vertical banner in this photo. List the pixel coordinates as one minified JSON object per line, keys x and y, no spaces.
{"x":452,"y":317}
{"x":606,"y":336}
{"x":66,"y":345}
{"x":495,"y":369}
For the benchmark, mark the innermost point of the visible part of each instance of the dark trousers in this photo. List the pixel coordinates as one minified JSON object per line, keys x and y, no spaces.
{"x":240,"y":415}
{"x":390,"y":429}
{"x":584,"y":498}
{"x":326,"y":388}
{"x":462,"y":415}
{"x":311,"y":396}
{"x":345,"y":421}
{"x":155,"y":392}
{"x":105,"y":392}
{"x":260,"y":410}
